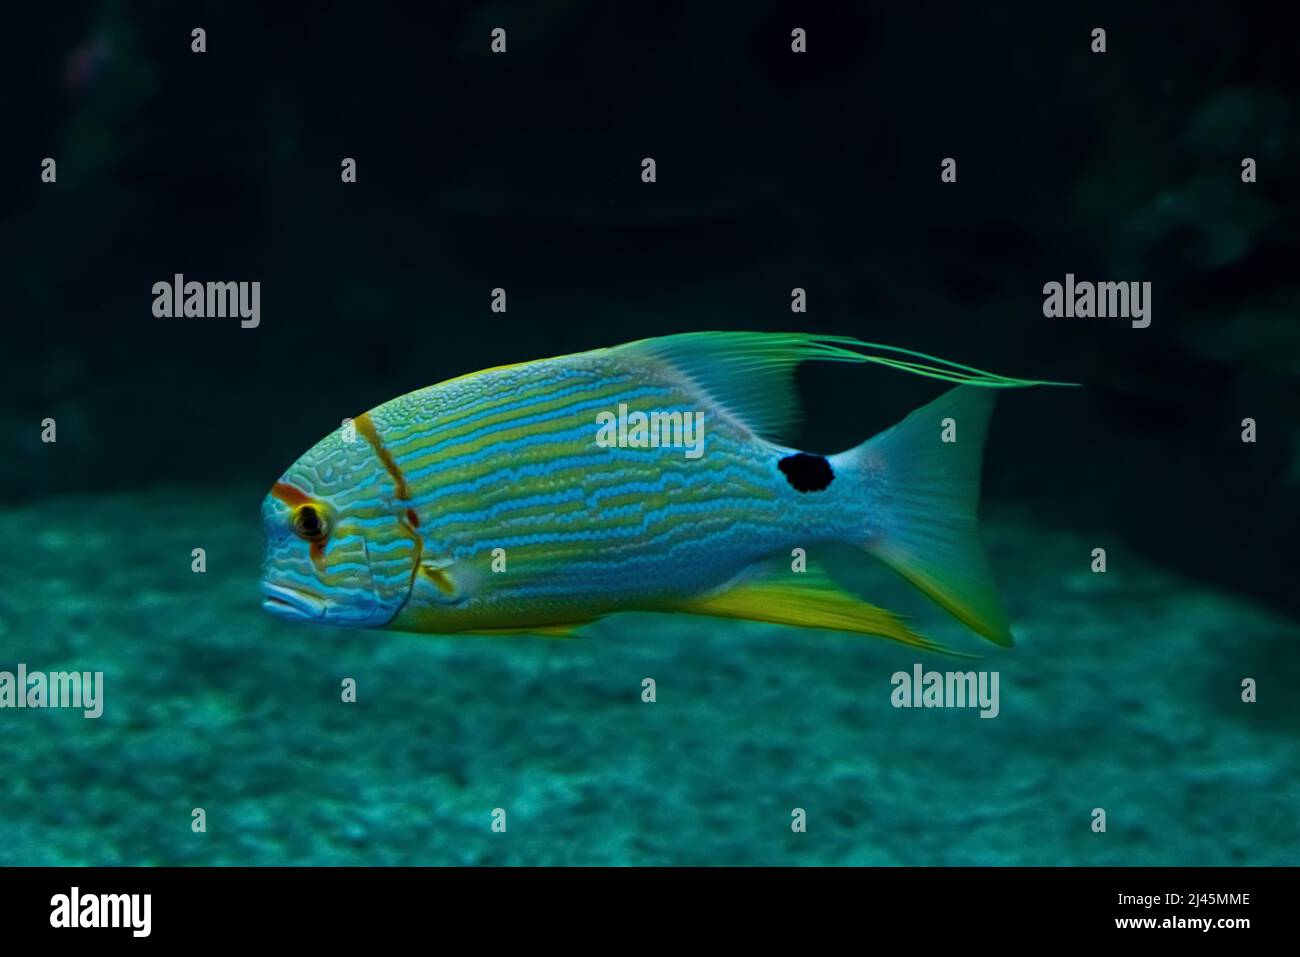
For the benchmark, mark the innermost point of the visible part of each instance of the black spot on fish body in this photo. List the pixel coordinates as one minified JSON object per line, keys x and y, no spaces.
{"x":807,"y":473}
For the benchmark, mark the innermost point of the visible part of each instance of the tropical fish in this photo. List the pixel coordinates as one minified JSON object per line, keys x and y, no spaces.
{"x":538,"y":497}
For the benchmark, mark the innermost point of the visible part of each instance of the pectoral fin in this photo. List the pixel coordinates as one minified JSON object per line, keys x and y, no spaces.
{"x":440,"y":581}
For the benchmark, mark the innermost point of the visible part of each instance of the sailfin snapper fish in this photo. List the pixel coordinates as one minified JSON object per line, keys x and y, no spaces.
{"x":505,"y":501}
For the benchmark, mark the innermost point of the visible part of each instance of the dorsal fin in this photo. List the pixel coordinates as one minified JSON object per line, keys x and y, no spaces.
{"x":751,"y":374}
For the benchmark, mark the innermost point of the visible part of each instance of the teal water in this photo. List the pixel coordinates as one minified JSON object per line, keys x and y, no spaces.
{"x":1123,"y":693}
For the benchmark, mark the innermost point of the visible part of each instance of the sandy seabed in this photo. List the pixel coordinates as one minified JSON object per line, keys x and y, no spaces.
{"x":1122,"y":693}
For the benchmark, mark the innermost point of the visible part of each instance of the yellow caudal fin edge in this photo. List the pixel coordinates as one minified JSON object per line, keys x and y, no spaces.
{"x":808,"y":600}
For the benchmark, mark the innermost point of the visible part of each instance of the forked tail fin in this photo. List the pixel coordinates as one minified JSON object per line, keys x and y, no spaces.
{"x":923,"y":479}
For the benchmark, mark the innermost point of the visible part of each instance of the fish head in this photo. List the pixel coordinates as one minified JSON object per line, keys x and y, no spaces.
{"x":338,"y":549}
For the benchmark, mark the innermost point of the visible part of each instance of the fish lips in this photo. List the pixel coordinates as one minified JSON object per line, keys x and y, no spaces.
{"x":298,"y":605}
{"x":291,"y":603}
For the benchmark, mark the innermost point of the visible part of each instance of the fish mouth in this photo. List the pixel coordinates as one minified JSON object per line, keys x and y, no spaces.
{"x":291,"y":603}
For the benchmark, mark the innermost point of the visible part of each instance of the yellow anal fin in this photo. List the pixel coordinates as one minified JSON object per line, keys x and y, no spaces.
{"x":566,"y":630}
{"x":809,"y":600}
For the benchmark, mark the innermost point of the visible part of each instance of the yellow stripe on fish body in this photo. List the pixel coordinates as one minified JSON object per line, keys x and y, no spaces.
{"x":535,"y":495}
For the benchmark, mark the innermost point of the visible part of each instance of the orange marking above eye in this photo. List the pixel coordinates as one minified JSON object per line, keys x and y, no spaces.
{"x":291,"y":495}
{"x":367,"y":430}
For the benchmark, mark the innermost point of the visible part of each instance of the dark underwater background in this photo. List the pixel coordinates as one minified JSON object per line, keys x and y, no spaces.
{"x":775,"y":171}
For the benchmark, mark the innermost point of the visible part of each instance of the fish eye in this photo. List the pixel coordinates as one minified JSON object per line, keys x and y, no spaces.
{"x":310,"y":522}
